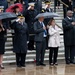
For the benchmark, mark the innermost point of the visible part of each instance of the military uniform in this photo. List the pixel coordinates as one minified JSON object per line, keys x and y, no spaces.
{"x":30,"y":19}
{"x":20,"y":41}
{"x":48,"y":10}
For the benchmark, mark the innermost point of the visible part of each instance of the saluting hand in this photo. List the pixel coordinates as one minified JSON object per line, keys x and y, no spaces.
{"x":18,"y":20}
{"x":29,"y":7}
{"x":46,"y":6}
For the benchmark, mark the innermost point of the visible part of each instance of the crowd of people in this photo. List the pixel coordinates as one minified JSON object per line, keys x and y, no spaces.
{"x":43,"y":33}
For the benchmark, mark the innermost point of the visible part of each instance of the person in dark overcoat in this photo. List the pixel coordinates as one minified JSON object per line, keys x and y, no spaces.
{"x":3,"y":32}
{"x":30,"y":15}
{"x":2,"y":42}
{"x":40,"y":39}
{"x":20,"y":40}
{"x":65,"y":9}
{"x":68,"y":24}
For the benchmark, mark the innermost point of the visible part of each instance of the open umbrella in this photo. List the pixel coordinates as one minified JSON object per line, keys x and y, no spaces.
{"x":47,"y":15}
{"x":10,"y":9}
{"x":7,"y":15}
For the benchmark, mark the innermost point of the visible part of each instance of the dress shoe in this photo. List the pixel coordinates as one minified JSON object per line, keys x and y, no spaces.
{"x":67,"y":63}
{"x":1,"y":66}
{"x":51,"y":64}
{"x":23,"y":65}
{"x":56,"y":63}
{"x":18,"y":65}
{"x":42,"y":64}
{"x":72,"y":62}
{"x":37,"y":64}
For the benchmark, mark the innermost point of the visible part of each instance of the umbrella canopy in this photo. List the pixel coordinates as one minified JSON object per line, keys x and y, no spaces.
{"x":47,"y":15}
{"x":11,"y":8}
{"x":7,"y":15}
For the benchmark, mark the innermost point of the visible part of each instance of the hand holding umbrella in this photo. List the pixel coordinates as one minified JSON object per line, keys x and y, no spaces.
{"x":48,"y":15}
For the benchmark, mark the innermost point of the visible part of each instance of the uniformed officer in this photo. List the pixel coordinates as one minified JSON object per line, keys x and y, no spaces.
{"x":30,"y":15}
{"x":48,"y":9}
{"x":48,"y":6}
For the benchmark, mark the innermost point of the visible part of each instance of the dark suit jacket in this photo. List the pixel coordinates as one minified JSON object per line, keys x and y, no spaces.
{"x":20,"y":37}
{"x":30,"y":15}
{"x":69,"y":32}
{"x":38,"y":29}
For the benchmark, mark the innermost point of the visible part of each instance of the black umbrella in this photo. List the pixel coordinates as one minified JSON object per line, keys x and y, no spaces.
{"x":7,"y":15}
{"x":47,"y":15}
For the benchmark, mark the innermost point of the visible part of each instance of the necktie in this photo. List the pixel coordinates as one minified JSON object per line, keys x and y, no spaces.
{"x":45,"y":32}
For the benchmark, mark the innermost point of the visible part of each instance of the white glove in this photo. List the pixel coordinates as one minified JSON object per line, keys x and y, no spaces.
{"x":17,"y":20}
{"x":46,"y":6}
{"x":29,"y":7}
{"x":27,"y":42}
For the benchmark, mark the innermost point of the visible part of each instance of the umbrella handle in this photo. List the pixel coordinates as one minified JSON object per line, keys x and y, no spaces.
{"x":59,"y":26}
{"x":2,"y":27}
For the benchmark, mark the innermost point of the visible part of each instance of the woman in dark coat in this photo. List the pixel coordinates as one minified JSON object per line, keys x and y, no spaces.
{"x":3,"y":32}
{"x":20,"y":41}
{"x":2,"y":42}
